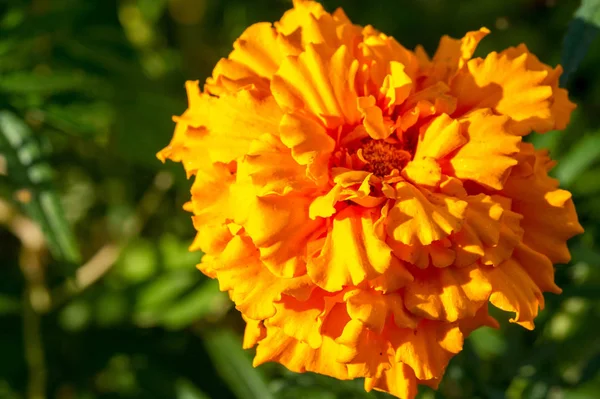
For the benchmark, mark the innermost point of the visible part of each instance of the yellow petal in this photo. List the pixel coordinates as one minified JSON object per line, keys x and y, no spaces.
{"x":423,"y":216}
{"x":428,"y":348}
{"x":438,"y":253}
{"x":489,"y":153}
{"x":310,"y":145}
{"x":447,"y":294}
{"x":351,"y":254}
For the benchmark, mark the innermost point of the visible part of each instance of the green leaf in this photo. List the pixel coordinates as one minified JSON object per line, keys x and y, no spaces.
{"x":203,"y":301}
{"x":9,"y":305}
{"x":583,"y":154}
{"x":234,"y":366}
{"x":33,"y":175}
{"x":186,"y":390}
{"x":582,"y":31}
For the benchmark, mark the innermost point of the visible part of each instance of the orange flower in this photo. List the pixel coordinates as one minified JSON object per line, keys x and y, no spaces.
{"x":362,"y":203}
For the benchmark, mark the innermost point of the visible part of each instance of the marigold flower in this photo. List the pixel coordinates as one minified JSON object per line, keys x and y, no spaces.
{"x":362,"y":203}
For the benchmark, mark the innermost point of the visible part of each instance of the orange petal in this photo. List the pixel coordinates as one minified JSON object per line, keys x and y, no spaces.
{"x":364,"y":351}
{"x":447,"y":294}
{"x":300,"y":357}
{"x":422,"y":216}
{"x":272,"y":169}
{"x":230,"y":122}
{"x":310,"y":145}
{"x":352,"y":253}
{"x":452,"y":54}
{"x":424,"y":172}
{"x":399,"y":380}
{"x":515,"y":286}
{"x":439,"y":138}
{"x":561,"y":107}
{"x":480,"y":231}
{"x":374,"y":124}
{"x":549,"y":217}
{"x":397,"y":84}
{"x":489,"y":153}
{"x":428,"y":348}
{"x":257,"y":48}
{"x":507,"y":86}
{"x":438,"y":253}
{"x":279,"y":227}
{"x":253,"y":333}
{"x":372,"y":308}
{"x":251,"y":285}
{"x":481,"y":319}
{"x":309,"y":82}
{"x":511,"y":234}
{"x":301,"y":320}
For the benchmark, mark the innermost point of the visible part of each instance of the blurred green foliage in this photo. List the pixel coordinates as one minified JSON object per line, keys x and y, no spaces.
{"x":87,"y":91}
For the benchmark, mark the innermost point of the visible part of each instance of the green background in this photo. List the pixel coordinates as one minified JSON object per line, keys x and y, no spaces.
{"x":87,"y":91}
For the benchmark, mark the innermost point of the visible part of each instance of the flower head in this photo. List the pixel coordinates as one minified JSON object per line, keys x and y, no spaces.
{"x":362,"y":203}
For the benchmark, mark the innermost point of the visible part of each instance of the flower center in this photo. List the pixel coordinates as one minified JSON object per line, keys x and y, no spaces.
{"x":381,"y":157}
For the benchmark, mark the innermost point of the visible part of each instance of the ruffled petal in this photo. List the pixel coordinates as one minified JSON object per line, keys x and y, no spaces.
{"x":428,"y":348}
{"x":374,"y":123}
{"x":517,"y":284}
{"x":372,"y":308}
{"x":298,"y":356}
{"x":272,"y":169}
{"x":279,"y":227}
{"x":439,"y":138}
{"x":351,"y":254}
{"x":225,"y":127}
{"x":310,"y":145}
{"x":447,"y":294}
{"x":252,"y":287}
{"x":549,"y":217}
{"x":365,"y":352}
{"x":481,"y":319}
{"x":301,"y":320}
{"x":309,"y":82}
{"x":507,"y":86}
{"x":481,"y":229}
{"x":423,"y":216}
{"x":561,"y":107}
{"x":399,"y":380}
{"x":253,"y":333}
{"x":489,"y":153}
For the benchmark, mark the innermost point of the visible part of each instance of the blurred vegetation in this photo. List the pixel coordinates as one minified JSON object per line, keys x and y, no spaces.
{"x":87,"y":90}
